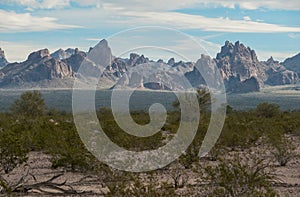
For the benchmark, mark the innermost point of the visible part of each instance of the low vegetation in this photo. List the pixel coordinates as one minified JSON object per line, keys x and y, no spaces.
{"x":29,"y":126}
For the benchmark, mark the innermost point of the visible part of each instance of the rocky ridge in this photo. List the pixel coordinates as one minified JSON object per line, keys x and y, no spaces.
{"x":237,"y":64}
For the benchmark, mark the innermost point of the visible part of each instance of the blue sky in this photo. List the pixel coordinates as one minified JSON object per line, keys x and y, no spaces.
{"x":271,"y":27}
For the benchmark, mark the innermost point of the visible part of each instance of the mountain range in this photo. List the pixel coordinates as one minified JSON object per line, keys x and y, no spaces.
{"x":237,"y":64}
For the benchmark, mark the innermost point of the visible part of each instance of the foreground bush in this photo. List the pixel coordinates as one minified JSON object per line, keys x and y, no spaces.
{"x":12,"y":154}
{"x":240,"y":177}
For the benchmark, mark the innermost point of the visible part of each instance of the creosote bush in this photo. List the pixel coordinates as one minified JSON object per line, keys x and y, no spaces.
{"x":281,"y":148}
{"x":240,"y":177}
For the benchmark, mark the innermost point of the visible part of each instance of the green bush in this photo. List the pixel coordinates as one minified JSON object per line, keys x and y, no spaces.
{"x":281,"y":147}
{"x":138,"y":188}
{"x":267,"y":110}
{"x":240,"y":177}
{"x":29,"y":105}
{"x":12,"y":152}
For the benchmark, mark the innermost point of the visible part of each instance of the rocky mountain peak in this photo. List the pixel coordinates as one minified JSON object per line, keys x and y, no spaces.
{"x":3,"y":61}
{"x":171,"y":61}
{"x":101,"y":54}
{"x":39,"y":55}
{"x":271,"y":61}
{"x":237,"y":51}
{"x":1,"y":53}
{"x":237,"y":59}
{"x":226,"y":50}
{"x":135,"y":59}
{"x":293,"y":63}
{"x":104,"y":42}
{"x":61,"y":54}
{"x":133,"y":56}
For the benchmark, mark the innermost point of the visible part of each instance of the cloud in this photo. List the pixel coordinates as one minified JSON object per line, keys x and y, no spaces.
{"x":247,"y":18}
{"x":158,"y":5}
{"x":186,"y":21}
{"x":294,"y":36}
{"x":112,"y":17}
{"x":37,"y":4}
{"x":93,"y":39}
{"x":25,"y":22}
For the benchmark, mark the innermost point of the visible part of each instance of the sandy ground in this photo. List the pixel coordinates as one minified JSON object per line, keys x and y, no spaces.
{"x":39,"y":165}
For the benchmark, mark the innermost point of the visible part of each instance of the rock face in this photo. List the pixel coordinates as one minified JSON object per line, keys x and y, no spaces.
{"x":75,"y":60}
{"x":238,"y":66}
{"x":61,"y":54}
{"x":278,"y":74}
{"x":39,"y":66}
{"x":243,"y":72}
{"x":3,"y":61}
{"x":236,"y":85}
{"x":293,"y":63}
{"x":239,"y":60}
{"x":205,"y":65}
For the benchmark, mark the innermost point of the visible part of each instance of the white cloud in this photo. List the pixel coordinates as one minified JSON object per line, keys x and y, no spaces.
{"x":247,"y":18}
{"x":186,"y":21}
{"x":158,"y":5}
{"x":43,"y":4}
{"x":111,"y":17}
{"x":25,"y":22}
{"x":294,"y":35}
{"x":93,"y":39}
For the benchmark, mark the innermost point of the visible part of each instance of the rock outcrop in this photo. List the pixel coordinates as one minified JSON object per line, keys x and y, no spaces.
{"x":278,"y":74}
{"x":238,"y":66}
{"x":293,"y":63}
{"x":3,"y":61}
{"x":63,"y":54}
{"x":39,"y":66}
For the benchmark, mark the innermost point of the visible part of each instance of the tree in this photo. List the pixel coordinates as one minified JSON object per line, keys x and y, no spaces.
{"x":30,"y":104}
{"x":267,"y":110}
{"x":203,"y":97}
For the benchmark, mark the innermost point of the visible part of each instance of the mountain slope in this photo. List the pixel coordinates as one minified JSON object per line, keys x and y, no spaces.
{"x":39,"y":66}
{"x":293,"y":63}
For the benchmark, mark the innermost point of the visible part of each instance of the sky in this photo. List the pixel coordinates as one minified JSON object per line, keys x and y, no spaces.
{"x":271,"y":27}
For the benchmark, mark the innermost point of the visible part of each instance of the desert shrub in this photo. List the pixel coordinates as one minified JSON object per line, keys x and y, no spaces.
{"x":137,"y":187}
{"x":240,"y":177}
{"x":68,"y":151}
{"x":12,"y":152}
{"x":240,"y":131}
{"x":203,"y":97}
{"x":179,"y":177}
{"x":125,"y":140}
{"x":281,"y":147}
{"x":191,"y":154}
{"x":267,"y":110}
{"x":30,"y":104}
